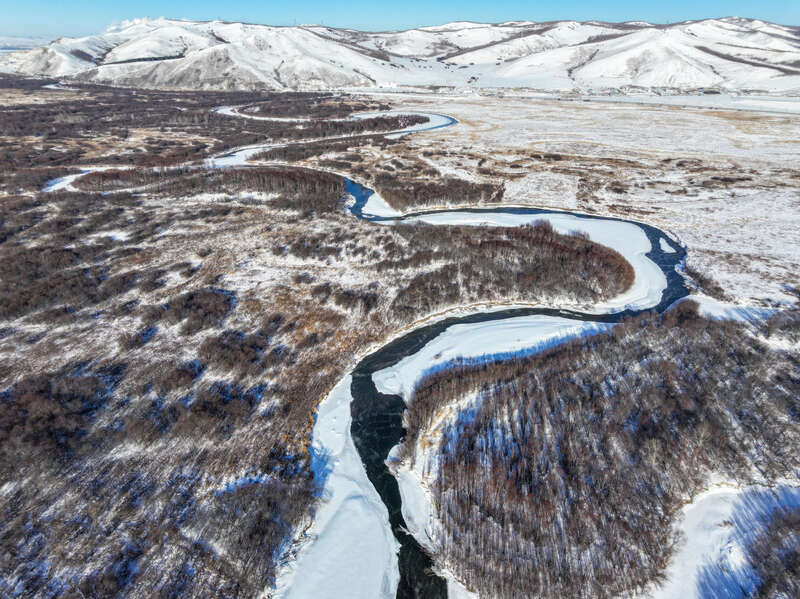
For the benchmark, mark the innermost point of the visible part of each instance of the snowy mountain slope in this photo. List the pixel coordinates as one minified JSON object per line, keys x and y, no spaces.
{"x":569,"y":33}
{"x":258,"y":58}
{"x":730,"y":53}
{"x":165,"y":42}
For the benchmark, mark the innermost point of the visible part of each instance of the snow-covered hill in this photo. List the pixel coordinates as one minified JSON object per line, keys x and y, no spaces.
{"x":730,"y":53}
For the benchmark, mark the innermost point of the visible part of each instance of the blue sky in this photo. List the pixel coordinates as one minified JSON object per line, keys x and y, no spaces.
{"x":81,"y":17}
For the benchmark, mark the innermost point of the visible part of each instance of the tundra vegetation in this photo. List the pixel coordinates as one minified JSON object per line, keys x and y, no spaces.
{"x":101,"y":125}
{"x":168,"y":333}
{"x":560,"y":474}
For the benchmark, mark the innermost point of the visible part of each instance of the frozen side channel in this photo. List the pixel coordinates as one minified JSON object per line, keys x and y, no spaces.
{"x":351,"y":551}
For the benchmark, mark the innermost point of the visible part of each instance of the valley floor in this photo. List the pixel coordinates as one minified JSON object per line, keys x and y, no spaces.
{"x":721,"y":176}
{"x":186,"y":336}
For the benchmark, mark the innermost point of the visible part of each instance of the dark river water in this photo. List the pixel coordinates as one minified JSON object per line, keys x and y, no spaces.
{"x":377,"y":418}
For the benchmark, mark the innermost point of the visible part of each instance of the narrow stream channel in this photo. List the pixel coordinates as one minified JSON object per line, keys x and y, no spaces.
{"x":377,"y":418}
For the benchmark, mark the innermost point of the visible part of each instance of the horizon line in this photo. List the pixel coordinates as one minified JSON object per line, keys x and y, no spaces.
{"x":401,"y":30}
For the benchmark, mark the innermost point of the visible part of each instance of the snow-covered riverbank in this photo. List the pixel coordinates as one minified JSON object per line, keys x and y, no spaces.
{"x":349,"y":550}
{"x":716,"y":528}
{"x":491,"y":340}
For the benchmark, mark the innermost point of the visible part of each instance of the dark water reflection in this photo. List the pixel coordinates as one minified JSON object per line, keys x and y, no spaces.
{"x":377,"y":418}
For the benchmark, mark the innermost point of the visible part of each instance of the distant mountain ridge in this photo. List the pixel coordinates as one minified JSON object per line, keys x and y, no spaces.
{"x":11,"y":43}
{"x":730,"y":53}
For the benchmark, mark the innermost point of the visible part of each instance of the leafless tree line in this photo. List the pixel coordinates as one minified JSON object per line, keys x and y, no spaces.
{"x":404,"y":193}
{"x":565,"y":477}
{"x":312,"y":105}
{"x":527,"y":262}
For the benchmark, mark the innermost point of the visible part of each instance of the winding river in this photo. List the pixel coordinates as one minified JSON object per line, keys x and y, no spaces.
{"x":377,"y":417}
{"x":357,"y":415}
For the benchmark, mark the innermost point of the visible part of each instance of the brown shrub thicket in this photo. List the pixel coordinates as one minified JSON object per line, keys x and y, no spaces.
{"x":775,"y":556}
{"x":529,"y":262}
{"x":406,"y":194}
{"x":110,"y":113}
{"x":302,"y":189}
{"x":303,"y":151}
{"x":312,"y":105}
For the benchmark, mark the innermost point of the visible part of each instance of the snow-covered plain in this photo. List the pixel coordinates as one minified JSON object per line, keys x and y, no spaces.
{"x":15,"y":43}
{"x":748,"y":102}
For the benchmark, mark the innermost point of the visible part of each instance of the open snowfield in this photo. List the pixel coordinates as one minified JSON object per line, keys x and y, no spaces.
{"x":715,"y":527}
{"x":726,"y":183}
{"x":773,"y":104}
